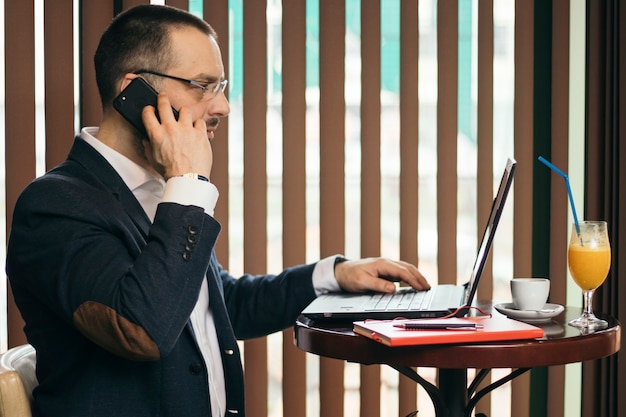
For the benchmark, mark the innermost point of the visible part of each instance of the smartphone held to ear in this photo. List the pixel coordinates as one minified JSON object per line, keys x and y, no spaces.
{"x":132,"y":100}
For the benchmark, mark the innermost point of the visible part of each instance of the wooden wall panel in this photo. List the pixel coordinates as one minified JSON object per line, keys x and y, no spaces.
{"x":370,"y":172}
{"x":216,"y":13}
{"x":485,"y":163}
{"x":181,"y":4}
{"x":255,"y":188}
{"x":95,"y":18}
{"x":522,"y":195}
{"x":409,"y":130}
{"x":409,"y":169}
{"x":485,"y":139}
{"x":447,"y":129}
{"x":59,"y":79}
{"x":127,"y":4}
{"x":294,"y":186}
{"x":332,"y":203}
{"x":559,"y":205}
{"x":19,"y":50}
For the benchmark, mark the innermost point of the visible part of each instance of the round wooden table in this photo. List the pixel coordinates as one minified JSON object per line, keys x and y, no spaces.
{"x":562,"y":344}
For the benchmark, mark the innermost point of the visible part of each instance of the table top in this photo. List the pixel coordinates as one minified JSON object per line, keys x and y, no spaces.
{"x":562,"y":344}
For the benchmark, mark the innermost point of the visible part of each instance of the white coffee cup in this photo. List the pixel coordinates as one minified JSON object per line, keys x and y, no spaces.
{"x":530,"y":293}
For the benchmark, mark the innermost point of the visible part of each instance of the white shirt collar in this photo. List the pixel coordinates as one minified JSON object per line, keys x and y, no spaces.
{"x":133,"y":175}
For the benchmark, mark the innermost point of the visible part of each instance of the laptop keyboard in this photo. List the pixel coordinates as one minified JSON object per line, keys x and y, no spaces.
{"x":411,"y":299}
{"x":401,"y":300}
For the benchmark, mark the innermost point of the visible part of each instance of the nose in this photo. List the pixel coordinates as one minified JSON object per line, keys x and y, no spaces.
{"x":219,"y":106}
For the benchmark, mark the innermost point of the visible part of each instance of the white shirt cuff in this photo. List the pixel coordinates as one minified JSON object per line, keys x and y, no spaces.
{"x":324,"y":276}
{"x":191,"y":192}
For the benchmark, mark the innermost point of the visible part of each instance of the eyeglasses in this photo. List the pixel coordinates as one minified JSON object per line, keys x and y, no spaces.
{"x":209,"y":91}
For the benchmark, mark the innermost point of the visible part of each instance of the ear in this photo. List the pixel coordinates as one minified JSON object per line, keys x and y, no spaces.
{"x":126,"y":80}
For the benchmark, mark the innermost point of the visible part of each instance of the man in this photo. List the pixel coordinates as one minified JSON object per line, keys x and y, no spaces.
{"x":111,"y":257}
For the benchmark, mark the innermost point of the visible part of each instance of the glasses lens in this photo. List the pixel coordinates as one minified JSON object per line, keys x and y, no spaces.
{"x":213,"y":89}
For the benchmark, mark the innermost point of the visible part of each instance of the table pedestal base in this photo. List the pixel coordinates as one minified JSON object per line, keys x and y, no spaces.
{"x":453,"y":398}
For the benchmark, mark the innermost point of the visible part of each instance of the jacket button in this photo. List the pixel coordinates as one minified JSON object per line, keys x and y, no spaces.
{"x":187,"y":255}
{"x":192,"y":230}
{"x":195,"y":368}
{"x":229,"y":351}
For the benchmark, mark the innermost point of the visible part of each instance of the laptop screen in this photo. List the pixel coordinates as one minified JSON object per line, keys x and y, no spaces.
{"x":494,"y":217}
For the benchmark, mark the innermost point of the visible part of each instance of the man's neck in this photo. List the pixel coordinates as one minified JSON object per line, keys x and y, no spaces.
{"x":122,"y":140}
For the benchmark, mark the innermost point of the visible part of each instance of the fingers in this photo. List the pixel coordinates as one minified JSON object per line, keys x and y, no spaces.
{"x":376,"y":274}
{"x":199,"y":125}
{"x":163,"y":118}
{"x":149,"y":119}
{"x":402,"y":271}
{"x":412,"y":276}
{"x":166,"y":112}
{"x":177,"y":146}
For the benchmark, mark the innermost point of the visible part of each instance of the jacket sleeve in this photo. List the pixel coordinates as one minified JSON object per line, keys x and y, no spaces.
{"x":262,"y":304}
{"x":79,"y":252}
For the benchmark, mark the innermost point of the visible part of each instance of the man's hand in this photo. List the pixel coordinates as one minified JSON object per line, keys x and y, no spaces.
{"x":377,"y":274}
{"x":176,"y":147}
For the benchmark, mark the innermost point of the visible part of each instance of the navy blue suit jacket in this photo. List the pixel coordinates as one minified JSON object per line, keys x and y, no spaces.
{"x":106,"y":297}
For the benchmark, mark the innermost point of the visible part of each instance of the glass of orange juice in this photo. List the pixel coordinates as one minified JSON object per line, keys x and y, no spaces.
{"x":589,"y":260}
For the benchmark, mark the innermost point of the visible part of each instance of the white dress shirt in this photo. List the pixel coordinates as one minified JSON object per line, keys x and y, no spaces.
{"x":150,"y":191}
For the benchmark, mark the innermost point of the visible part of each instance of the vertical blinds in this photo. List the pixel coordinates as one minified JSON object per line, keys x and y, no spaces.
{"x":322,"y":158}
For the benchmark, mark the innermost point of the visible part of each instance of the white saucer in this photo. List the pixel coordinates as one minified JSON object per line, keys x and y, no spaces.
{"x":546,"y":314}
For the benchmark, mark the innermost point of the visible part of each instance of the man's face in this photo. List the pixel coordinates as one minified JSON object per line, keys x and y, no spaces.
{"x":197,"y":57}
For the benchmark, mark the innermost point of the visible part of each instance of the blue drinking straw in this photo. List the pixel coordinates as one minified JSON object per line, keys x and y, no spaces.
{"x":569,"y":190}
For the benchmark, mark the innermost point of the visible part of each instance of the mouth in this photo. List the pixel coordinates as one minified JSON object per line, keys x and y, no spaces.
{"x":212,"y":125}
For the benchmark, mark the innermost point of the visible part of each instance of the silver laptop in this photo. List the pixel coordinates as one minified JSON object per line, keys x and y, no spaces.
{"x":406,"y":302}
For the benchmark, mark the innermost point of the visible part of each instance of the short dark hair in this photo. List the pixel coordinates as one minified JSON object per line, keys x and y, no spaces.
{"x":139,"y":38}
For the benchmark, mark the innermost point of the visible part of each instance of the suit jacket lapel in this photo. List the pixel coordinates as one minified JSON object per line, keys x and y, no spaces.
{"x":103,"y":174}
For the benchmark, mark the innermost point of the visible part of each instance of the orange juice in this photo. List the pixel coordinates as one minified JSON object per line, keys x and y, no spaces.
{"x":589,"y":265}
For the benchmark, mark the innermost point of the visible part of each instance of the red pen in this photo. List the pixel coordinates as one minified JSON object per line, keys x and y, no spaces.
{"x":425,"y":325}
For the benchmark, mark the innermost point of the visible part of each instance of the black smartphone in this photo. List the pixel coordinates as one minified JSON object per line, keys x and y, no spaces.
{"x":131,"y":101}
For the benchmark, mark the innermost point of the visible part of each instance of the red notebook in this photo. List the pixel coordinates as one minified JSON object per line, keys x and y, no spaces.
{"x":488,"y":329}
